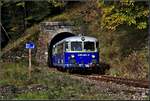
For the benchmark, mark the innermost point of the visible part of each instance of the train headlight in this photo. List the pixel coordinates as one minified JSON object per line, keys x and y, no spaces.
{"x":72,"y":56}
{"x":93,"y":56}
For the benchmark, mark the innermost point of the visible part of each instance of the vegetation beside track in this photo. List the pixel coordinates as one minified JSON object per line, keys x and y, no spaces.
{"x":60,"y":85}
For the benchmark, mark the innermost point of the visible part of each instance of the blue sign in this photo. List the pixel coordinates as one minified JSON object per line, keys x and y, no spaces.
{"x":30,"y":45}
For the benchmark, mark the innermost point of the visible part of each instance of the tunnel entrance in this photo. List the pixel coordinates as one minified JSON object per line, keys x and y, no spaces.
{"x":54,"y":40}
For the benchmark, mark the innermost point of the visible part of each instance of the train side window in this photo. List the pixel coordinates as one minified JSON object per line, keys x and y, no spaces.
{"x":55,"y":51}
{"x":60,"y":48}
{"x":66,"y":46}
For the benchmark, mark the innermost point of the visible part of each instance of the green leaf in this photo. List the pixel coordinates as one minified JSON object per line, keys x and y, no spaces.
{"x":29,"y":18}
{"x":56,"y":3}
{"x":21,"y":4}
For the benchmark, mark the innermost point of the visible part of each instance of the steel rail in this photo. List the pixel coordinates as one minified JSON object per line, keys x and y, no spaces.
{"x":119,"y":80}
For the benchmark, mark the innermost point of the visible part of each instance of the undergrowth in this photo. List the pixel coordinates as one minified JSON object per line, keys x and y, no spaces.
{"x":60,"y":85}
{"x":133,"y":66}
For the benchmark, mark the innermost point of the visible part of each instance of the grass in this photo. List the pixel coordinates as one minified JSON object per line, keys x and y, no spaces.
{"x":30,"y":95}
{"x":13,"y":73}
{"x":60,"y":85}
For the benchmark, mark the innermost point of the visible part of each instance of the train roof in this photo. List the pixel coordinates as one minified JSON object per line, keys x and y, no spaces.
{"x":80,"y":38}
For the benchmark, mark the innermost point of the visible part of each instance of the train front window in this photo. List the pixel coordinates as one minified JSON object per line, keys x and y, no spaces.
{"x":76,"y":46}
{"x":89,"y":46}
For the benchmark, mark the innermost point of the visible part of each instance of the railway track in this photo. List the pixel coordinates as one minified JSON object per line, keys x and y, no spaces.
{"x":118,"y":80}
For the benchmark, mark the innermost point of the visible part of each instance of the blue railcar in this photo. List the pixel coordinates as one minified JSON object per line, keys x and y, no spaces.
{"x":77,"y":52}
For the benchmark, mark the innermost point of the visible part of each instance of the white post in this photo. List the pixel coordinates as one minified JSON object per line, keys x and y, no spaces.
{"x":29,"y":69}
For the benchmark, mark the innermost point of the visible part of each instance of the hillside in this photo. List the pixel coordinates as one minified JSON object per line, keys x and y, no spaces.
{"x":125,"y":49}
{"x":121,"y":28}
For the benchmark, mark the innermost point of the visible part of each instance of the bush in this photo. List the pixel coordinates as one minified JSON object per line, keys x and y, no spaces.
{"x":135,"y":66}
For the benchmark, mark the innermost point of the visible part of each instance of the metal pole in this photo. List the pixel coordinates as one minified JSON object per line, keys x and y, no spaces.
{"x":29,"y":64}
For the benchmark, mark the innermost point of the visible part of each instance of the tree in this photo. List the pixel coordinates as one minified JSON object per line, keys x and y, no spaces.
{"x":18,"y":15}
{"x":129,"y":12}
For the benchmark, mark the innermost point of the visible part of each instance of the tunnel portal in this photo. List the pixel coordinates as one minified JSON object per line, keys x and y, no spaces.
{"x":54,"y":40}
{"x":50,"y":34}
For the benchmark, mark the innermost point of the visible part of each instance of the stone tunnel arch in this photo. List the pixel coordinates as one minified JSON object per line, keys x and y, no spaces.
{"x":54,"y":40}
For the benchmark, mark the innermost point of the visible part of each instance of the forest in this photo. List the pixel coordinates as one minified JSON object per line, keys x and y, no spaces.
{"x":120,"y":26}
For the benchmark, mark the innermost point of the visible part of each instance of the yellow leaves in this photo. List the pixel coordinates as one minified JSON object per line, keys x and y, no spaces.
{"x":127,"y":2}
{"x":112,"y":21}
{"x":142,"y":25}
{"x":123,"y":12}
{"x":108,"y":9}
